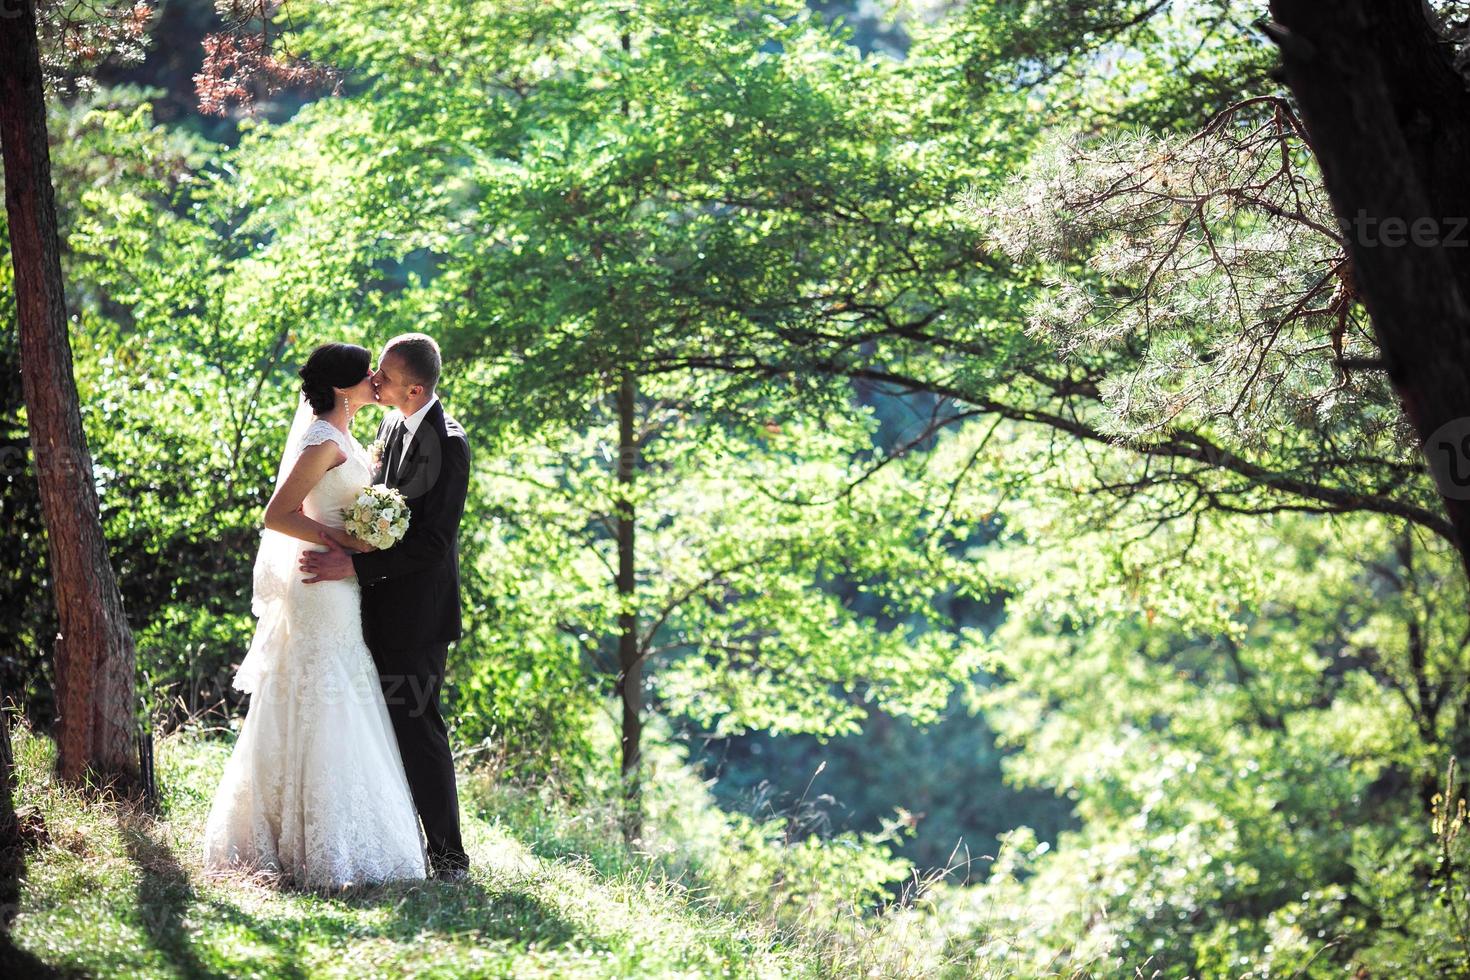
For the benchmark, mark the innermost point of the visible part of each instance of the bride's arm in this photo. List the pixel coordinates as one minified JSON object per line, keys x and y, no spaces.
{"x":283,"y":513}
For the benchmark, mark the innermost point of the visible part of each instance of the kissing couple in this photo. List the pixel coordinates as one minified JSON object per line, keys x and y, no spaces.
{"x":343,"y":751}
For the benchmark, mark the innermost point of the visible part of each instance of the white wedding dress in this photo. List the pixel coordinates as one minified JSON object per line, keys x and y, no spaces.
{"x":315,"y":789}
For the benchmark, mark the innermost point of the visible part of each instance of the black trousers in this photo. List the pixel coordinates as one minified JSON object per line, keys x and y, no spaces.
{"x":411,"y":682}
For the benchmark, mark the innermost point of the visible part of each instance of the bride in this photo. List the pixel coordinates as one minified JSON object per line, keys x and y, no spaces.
{"x":315,"y":789}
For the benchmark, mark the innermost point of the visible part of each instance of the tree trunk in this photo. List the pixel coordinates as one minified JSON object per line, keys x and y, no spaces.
{"x":630,"y":663}
{"x":94,"y":650}
{"x":630,"y":660}
{"x":1388,"y":118}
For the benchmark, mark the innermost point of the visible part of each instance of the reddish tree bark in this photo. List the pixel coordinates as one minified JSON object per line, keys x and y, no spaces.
{"x":1388,"y":117}
{"x":94,"y":650}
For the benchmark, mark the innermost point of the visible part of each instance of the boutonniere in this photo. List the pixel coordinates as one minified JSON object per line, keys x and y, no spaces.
{"x":376,"y":450}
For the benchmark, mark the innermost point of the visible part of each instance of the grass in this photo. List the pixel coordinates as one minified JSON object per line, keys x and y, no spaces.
{"x":553,"y":892}
{"x":110,"y":891}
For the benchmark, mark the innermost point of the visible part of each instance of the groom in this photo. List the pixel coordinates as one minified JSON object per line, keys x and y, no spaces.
{"x":410,"y":592}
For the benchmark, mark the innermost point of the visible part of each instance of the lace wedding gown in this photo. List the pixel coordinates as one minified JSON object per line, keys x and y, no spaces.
{"x":315,"y":788}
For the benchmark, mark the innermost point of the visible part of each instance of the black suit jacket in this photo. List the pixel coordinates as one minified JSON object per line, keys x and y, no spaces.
{"x":410,"y":592}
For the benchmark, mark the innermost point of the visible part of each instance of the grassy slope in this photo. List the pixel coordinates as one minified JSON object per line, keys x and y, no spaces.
{"x":116,"y":893}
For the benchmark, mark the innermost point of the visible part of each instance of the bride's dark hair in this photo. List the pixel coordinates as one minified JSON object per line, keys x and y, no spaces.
{"x":332,"y":366}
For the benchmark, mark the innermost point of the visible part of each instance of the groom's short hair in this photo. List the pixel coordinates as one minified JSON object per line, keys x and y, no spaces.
{"x":420,"y":357}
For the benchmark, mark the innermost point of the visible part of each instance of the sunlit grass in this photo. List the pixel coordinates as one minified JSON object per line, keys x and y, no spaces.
{"x":112,"y":891}
{"x":553,"y":892}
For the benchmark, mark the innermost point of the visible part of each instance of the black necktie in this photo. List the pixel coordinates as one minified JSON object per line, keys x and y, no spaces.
{"x":395,"y":443}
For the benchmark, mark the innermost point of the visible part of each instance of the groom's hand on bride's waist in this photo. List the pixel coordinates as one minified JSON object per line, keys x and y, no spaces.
{"x":347,"y":542}
{"x":331,"y":565}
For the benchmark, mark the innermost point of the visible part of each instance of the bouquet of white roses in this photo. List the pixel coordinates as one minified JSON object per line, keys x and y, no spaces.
{"x":378,"y":516}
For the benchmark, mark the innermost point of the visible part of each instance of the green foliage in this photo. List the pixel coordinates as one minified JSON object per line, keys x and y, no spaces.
{"x":1246,"y":706}
{"x":944,"y":778}
{"x":204,"y":272}
{"x":1165,"y":66}
{"x":1429,"y":927}
{"x":696,"y":211}
{"x":1247,"y":713}
{"x":1204,"y":273}
{"x":733,"y":193}
{"x":196,"y":305}
{"x":179,"y":347}
{"x":519,"y":686}
{"x":27,"y":617}
{"x":737,"y":537}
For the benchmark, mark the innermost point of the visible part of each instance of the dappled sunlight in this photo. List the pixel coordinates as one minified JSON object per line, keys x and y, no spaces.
{"x":782,"y":488}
